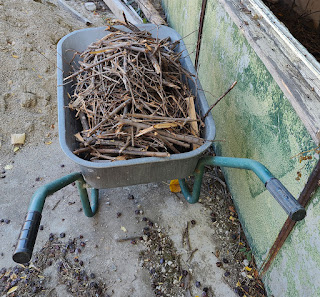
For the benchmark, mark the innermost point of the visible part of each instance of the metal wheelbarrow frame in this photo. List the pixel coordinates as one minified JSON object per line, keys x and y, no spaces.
{"x":134,"y":171}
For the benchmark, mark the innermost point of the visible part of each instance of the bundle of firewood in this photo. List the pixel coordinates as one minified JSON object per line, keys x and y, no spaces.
{"x":133,"y":100}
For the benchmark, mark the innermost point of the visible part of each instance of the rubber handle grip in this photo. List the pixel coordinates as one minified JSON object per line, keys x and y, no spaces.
{"x":291,"y":206}
{"x":27,"y":238}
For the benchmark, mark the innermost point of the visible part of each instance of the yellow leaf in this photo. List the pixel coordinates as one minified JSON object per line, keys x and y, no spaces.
{"x":249,"y":276}
{"x":48,"y":142}
{"x":40,"y":276}
{"x":123,"y":229}
{"x":174,"y":186}
{"x":248,"y":268}
{"x":39,"y":76}
{"x":12,"y":290}
{"x":238,"y":284}
{"x":15,"y":149}
{"x":165,"y":125}
{"x":15,"y":56}
{"x":121,"y":158}
{"x":180,"y":277}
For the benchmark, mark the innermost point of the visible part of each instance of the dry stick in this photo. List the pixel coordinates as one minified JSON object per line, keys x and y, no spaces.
{"x":136,"y":153}
{"x":115,"y":111}
{"x":83,"y":120}
{"x":191,"y":254}
{"x":152,"y":117}
{"x":186,"y":138}
{"x":93,"y":65}
{"x":214,"y":104}
{"x":128,"y":238}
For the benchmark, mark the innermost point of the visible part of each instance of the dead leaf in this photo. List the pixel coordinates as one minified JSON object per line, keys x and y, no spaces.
{"x":175,"y":186}
{"x":15,"y":56}
{"x":123,"y":229}
{"x":121,"y":158}
{"x":48,"y":142}
{"x":231,"y":218}
{"x":12,"y":290}
{"x":248,"y":268}
{"x":231,"y":208}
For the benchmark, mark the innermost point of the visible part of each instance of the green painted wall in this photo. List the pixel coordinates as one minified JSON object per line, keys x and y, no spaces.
{"x":257,"y":121}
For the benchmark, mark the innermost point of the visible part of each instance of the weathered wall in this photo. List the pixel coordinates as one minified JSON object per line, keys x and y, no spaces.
{"x":258,"y":122}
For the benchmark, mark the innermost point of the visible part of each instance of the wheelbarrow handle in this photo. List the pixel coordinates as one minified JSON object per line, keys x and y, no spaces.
{"x":291,"y":206}
{"x":27,"y":237}
{"x":29,"y":231}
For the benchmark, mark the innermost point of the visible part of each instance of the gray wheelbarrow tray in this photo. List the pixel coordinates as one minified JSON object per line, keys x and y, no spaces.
{"x":134,"y":171}
{"x":127,"y":172}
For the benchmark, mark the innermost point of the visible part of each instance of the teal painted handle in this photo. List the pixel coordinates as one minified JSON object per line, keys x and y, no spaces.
{"x":29,"y":231}
{"x":278,"y":191}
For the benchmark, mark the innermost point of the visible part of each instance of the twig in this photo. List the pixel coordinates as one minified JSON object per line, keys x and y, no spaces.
{"x":214,"y":104}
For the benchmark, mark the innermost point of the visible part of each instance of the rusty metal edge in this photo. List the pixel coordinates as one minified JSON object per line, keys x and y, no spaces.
{"x":304,"y":198}
{"x":202,"y":15}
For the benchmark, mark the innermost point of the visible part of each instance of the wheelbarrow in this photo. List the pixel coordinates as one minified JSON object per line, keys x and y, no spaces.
{"x":134,"y":171}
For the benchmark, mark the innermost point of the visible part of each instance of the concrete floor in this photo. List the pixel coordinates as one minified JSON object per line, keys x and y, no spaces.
{"x":115,"y":262}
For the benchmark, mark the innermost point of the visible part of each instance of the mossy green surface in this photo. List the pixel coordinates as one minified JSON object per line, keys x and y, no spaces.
{"x":256,"y":121}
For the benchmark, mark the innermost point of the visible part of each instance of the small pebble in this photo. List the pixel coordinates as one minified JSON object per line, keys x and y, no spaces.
{"x":224,"y":260}
{"x":92,"y":275}
{"x":81,"y":263}
{"x":227,"y":273}
{"x":133,"y":242}
{"x":80,"y":209}
{"x":62,"y":165}
{"x":150,"y":224}
{"x":137,"y":211}
{"x":82,"y":243}
{"x":2,"y":220}
{"x":119,"y":214}
{"x":184,"y":272}
{"x":41,"y":227}
{"x":7,"y":221}
{"x":144,"y":219}
{"x":245,"y":262}
{"x":62,"y":235}
{"x":234,"y":236}
{"x":91,"y":6}
{"x":193,"y":222}
{"x":198,"y":284}
{"x":38,"y":178}
{"x":213,"y":220}
{"x":81,"y":236}
{"x":161,"y":261}
{"x":204,"y":294}
{"x":219,"y":264}
{"x":76,"y":260}
{"x":130,"y":197}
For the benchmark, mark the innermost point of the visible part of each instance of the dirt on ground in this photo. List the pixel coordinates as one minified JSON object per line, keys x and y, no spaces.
{"x":29,"y":33}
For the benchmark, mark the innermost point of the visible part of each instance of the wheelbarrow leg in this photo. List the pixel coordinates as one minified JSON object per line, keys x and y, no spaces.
{"x":29,"y":231}
{"x":291,"y":206}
